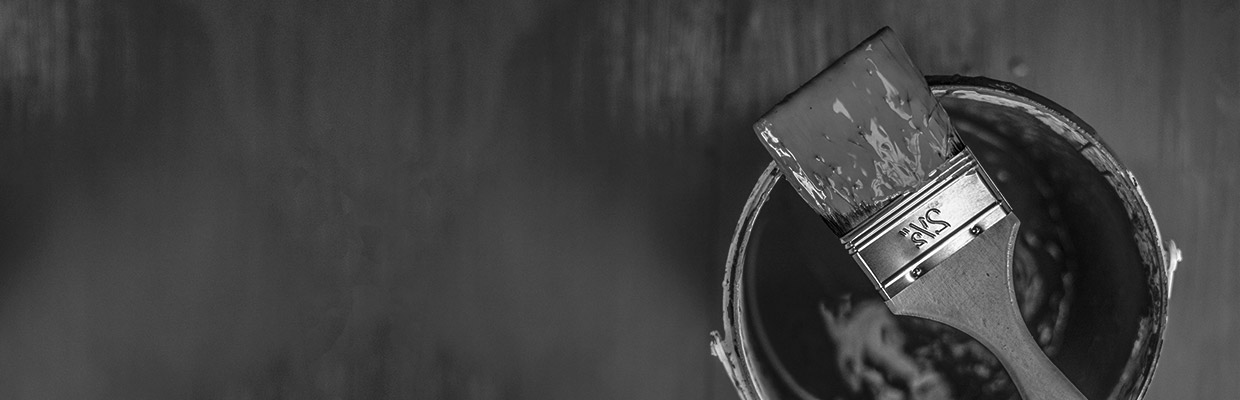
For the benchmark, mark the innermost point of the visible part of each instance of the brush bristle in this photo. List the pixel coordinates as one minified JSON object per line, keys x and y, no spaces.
{"x":860,"y":134}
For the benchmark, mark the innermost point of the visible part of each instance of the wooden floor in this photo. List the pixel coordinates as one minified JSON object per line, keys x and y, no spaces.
{"x":499,"y":200}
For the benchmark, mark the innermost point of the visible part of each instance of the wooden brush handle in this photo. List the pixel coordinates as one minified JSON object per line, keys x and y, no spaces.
{"x":972,"y":292}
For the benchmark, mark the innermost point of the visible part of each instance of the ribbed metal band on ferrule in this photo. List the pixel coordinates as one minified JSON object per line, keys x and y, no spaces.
{"x":908,"y":238}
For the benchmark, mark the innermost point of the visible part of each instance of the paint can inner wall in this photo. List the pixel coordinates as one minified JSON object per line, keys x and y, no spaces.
{"x":818,"y":329}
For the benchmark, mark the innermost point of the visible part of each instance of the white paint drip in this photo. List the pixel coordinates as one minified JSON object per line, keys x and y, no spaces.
{"x":838,"y":107}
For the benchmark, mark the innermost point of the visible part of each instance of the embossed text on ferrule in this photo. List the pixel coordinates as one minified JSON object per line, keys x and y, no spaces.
{"x":925,"y":228}
{"x":925,"y":225}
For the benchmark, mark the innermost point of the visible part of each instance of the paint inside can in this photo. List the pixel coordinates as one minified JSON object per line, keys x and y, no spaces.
{"x":1090,"y":272}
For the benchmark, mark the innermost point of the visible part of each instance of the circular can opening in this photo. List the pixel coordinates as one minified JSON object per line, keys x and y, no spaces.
{"x":1089,"y":268}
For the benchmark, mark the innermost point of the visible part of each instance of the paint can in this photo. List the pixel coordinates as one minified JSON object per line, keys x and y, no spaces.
{"x":1092,"y":274}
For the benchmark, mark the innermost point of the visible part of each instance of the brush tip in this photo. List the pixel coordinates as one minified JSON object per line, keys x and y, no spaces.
{"x":860,"y":134}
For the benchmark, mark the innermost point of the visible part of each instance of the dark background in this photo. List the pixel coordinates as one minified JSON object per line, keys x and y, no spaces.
{"x":487,"y":199}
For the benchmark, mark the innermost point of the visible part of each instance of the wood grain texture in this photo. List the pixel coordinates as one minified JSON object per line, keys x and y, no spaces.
{"x":483,"y":199}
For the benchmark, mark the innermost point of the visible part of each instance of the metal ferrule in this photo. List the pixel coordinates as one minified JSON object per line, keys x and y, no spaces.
{"x":909,"y":237}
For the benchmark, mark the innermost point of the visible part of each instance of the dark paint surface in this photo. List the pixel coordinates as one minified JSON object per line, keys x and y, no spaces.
{"x":1076,"y":273}
{"x":479,"y":199}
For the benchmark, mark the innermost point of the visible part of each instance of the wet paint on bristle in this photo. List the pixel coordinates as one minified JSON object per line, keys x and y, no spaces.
{"x":860,"y":134}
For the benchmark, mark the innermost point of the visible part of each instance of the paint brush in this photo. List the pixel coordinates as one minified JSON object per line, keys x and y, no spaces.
{"x":868,"y":147}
